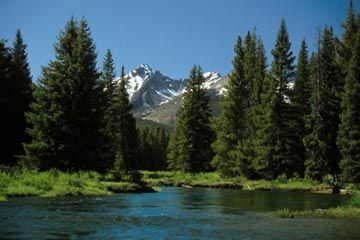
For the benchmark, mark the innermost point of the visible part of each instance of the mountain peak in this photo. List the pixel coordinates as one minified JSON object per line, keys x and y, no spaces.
{"x":142,"y":70}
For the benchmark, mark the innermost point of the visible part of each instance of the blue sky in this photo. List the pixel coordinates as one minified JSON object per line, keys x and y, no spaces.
{"x":169,"y":35}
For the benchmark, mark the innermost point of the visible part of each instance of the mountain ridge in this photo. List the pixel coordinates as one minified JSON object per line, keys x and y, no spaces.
{"x":150,"y":92}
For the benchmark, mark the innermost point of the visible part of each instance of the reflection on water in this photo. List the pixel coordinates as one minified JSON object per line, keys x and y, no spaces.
{"x":174,"y":213}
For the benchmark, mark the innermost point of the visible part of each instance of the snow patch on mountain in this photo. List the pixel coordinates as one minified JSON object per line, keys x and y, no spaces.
{"x":211,"y":80}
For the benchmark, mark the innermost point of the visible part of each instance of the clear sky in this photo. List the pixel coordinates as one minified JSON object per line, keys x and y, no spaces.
{"x":169,"y":35}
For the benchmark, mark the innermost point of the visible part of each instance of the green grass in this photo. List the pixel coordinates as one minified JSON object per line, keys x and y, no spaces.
{"x":338,"y":212}
{"x":351,"y":210}
{"x":21,"y":183}
{"x":167,"y":178}
{"x":2,"y":198}
{"x":214,"y":179}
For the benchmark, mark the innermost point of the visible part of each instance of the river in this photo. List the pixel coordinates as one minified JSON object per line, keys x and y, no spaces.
{"x":174,"y":213}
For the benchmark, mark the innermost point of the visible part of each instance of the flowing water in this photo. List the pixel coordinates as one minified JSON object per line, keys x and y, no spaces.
{"x":174,"y":213}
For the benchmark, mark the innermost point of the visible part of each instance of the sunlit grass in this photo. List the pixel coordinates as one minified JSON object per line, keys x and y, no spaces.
{"x":19,"y":183}
{"x":2,"y":198}
{"x":351,"y":210}
{"x":214,"y":179}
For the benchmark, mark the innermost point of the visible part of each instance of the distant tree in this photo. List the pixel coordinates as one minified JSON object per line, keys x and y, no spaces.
{"x":190,"y":143}
{"x":322,"y":152}
{"x":153,"y":148}
{"x":65,"y":120}
{"x":121,"y":127}
{"x":231,"y":125}
{"x":349,"y":130}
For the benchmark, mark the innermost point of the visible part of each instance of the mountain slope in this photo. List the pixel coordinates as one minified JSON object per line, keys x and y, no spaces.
{"x":156,"y":97}
{"x":166,"y":113}
{"x":148,"y":88}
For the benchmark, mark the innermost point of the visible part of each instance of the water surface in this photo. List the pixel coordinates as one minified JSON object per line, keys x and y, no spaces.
{"x":174,"y":213}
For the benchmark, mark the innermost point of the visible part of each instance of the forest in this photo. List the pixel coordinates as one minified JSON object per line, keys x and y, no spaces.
{"x":291,"y":117}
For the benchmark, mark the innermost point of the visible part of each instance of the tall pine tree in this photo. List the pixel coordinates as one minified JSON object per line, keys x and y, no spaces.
{"x":16,"y":96}
{"x":349,"y":130}
{"x":107,"y":77}
{"x":65,"y":120}
{"x":351,"y":25}
{"x":190,"y":144}
{"x":276,"y":146}
{"x":322,"y":152}
{"x":231,"y":126}
{"x":300,"y":99}
{"x":8,"y":105}
{"x":121,"y":127}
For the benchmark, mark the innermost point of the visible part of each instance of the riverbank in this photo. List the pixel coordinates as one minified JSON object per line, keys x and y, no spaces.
{"x":21,"y":183}
{"x":338,"y":212}
{"x":214,"y":180}
{"x":350,"y":210}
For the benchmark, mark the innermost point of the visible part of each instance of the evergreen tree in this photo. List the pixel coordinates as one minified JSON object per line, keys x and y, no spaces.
{"x":260,"y":74}
{"x":121,"y":127}
{"x":107,"y":77}
{"x":351,"y":26}
{"x":262,"y":138}
{"x":255,"y":121}
{"x":153,"y":148}
{"x":349,"y":130}
{"x":231,"y":126}
{"x":301,"y":98}
{"x":17,"y":96}
{"x":322,"y":152}
{"x":285,"y":155}
{"x":65,"y":120}
{"x":8,"y":105}
{"x":190,"y":144}
{"x":254,"y":64}
{"x":107,"y":86}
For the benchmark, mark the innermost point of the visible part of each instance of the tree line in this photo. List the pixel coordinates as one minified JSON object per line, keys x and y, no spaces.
{"x":75,"y":117}
{"x":289,"y":119}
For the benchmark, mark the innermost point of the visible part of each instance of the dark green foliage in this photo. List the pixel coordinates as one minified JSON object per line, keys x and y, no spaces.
{"x":107,"y":95}
{"x":261,"y":139}
{"x":254,"y":73}
{"x":261,"y":66}
{"x":65,"y":120}
{"x":351,"y":25}
{"x":121,"y":128}
{"x":153,"y":142}
{"x":106,"y":79}
{"x":322,"y":152}
{"x":276,"y":145}
{"x":231,"y":126}
{"x":190,"y":144}
{"x":8,"y":106}
{"x":349,"y":130}
{"x":16,"y":96}
{"x":301,"y":98}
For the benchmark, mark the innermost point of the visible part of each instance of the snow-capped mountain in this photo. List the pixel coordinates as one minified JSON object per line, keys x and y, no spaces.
{"x":148,"y":88}
{"x":157,"y":97}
